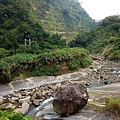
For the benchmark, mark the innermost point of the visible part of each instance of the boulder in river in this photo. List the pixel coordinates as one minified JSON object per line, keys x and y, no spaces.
{"x":70,"y":99}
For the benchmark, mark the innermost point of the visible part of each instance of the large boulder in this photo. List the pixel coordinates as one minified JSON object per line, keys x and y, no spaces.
{"x":70,"y":99}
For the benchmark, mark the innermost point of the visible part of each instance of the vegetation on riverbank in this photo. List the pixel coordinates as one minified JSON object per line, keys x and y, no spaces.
{"x":54,"y":63}
{"x":11,"y":115}
{"x":110,"y":106}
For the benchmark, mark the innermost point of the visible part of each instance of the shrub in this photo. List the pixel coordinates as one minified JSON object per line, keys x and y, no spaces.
{"x":11,"y":115}
{"x":47,"y":63}
{"x":5,"y":53}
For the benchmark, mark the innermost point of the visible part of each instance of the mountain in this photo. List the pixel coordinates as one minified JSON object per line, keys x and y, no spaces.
{"x":17,"y":24}
{"x":104,"y":39}
{"x":65,"y":17}
{"x":20,"y":19}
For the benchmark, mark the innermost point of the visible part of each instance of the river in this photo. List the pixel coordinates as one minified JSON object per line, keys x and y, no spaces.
{"x":110,"y":74}
{"x":101,"y":73}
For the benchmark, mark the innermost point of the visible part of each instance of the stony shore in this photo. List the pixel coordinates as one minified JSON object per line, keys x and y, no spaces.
{"x":21,"y":94}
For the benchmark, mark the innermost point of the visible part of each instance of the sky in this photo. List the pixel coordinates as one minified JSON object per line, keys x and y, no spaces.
{"x":99,"y":9}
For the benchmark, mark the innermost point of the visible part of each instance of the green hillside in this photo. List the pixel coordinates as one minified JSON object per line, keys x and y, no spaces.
{"x":65,"y":17}
{"x":105,"y":38}
{"x":17,"y":24}
{"x":20,"y":19}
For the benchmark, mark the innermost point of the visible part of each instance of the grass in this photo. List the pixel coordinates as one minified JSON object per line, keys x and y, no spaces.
{"x":11,"y":115}
{"x":113,"y":105}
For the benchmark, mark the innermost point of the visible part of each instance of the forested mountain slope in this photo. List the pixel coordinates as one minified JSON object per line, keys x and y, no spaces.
{"x":65,"y":17}
{"x":17,"y":24}
{"x":105,"y":38}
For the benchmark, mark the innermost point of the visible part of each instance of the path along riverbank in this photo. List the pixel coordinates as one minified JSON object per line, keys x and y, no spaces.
{"x":98,"y":74}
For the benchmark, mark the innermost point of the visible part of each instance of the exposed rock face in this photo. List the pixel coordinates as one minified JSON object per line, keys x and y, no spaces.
{"x":70,"y":99}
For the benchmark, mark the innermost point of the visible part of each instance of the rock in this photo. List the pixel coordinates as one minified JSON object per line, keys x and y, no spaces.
{"x":87,"y":84}
{"x":87,"y":70}
{"x":20,"y":96}
{"x":27,"y":99}
{"x":13,"y":102}
{"x":24,"y":93}
{"x":70,"y":99}
{"x":44,"y":88}
{"x":32,"y":98}
{"x":14,"y":94}
{"x":58,"y":85}
{"x":14,"y":98}
{"x":6,"y":100}
{"x":6,"y":106}
{"x":101,"y":77}
{"x":38,"y":94}
{"x":95,"y":69}
{"x":54,"y":88}
{"x":36,"y":102}
{"x":18,"y":110}
{"x":1,"y":101}
{"x":49,"y":94}
{"x":25,"y":108}
{"x":44,"y":93}
{"x":50,"y":86}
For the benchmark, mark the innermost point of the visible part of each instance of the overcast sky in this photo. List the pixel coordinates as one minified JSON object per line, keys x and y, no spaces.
{"x":99,"y":9}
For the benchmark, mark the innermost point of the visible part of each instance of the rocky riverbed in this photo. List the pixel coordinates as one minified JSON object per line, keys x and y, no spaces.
{"x":23,"y":94}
